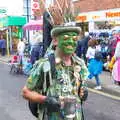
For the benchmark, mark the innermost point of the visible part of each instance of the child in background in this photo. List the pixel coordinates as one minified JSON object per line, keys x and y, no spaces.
{"x":95,"y":68}
{"x":91,"y":49}
{"x":14,"y":59}
{"x":95,"y":65}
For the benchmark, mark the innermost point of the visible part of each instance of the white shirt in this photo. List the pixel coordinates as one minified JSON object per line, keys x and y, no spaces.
{"x":21,"y":47}
{"x":90,"y":53}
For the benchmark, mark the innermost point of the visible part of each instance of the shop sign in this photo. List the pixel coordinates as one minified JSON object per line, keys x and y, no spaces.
{"x":112,"y":14}
{"x":34,"y":6}
{"x":81,"y":18}
{"x":105,"y":15}
{"x":95,"y":17}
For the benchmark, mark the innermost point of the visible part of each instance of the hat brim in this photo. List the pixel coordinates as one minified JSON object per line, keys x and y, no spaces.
{"x":58,"y":30}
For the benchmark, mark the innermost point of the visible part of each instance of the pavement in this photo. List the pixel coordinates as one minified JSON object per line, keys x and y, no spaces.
{"x":107,"y":82}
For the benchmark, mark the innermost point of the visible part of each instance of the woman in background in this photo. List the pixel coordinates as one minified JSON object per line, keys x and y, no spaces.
{"x":116,"y":67}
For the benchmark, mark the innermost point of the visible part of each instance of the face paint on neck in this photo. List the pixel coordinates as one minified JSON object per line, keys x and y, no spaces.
{"x":67,"y":42}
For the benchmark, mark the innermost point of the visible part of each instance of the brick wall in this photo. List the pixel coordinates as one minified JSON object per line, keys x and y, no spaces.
{"x":96,"y":5}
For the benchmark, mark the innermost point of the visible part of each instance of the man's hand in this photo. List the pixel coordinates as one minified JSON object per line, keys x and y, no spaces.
{"x":52,"y":104}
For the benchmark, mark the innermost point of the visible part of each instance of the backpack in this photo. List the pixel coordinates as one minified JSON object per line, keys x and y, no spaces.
{"x":33,"y":106}
{"x":98,"y":56}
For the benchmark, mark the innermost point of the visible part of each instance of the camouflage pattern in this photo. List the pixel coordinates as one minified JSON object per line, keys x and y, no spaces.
{"x":63,"y":85}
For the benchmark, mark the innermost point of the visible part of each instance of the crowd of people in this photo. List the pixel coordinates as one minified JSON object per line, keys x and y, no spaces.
{"x":101,"y":54}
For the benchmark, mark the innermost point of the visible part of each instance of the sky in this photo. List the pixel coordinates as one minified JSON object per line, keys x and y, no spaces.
{"x":14,"y":7}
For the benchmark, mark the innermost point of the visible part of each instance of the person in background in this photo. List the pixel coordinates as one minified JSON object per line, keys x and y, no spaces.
{"x":95,"y":65}
{"x":79,"y":51}
{"x":20,"y":50}
{"x":36,"y":44}
{"x":59,"y":97}
{"x":21,"y":47}
{"x":3,"y":46}
{"x":91,"y":49}
{"x":85,"y":45}
{"x":116,"y":67}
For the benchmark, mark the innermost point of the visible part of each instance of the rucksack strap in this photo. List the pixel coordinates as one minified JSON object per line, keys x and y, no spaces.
{"x":51,"y":58}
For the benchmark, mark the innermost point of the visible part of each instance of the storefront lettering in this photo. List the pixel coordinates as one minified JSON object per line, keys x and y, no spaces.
{"x":81,"y":18}
{"x":112,"y":14}
{"x":95,"y":17}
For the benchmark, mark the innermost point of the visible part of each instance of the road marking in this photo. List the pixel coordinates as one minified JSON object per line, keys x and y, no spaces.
{"x":104,"y":94}
{"x":4,"y":62}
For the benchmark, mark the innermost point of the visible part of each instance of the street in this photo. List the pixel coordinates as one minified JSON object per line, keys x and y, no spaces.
{"x":14,"y":107}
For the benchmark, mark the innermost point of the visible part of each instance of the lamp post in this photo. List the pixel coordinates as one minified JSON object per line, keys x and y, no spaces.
{"x":27,"y":7}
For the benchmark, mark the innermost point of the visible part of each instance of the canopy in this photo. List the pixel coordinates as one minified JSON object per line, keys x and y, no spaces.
{"x":34,"y":25}
{"x":13,"y":21}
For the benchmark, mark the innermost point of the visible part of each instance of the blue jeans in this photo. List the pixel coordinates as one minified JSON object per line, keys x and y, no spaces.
{"x":97,"y":80}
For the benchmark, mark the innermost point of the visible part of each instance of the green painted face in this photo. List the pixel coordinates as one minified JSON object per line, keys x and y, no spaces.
{"x":67,"y":42}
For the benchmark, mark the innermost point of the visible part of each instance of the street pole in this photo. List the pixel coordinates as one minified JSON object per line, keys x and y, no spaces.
{"x":27,"y":6}
{"x":7,"y":36}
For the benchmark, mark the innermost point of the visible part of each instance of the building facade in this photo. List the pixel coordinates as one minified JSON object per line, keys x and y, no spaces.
{"x":96,"y":5}
{"x":97,"y":14}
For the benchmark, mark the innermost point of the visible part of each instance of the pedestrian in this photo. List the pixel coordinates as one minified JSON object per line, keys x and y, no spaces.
{"x":60,"y":96}
{"x":95,"y":65}
{"x":116,"y":66}
{"x":84,"y":47}
{"x":3,"y":46}
{"x":36,"y":47}
{"x":36,"y":52}
{"x":20,"y":49}
{"x":91,"y":49}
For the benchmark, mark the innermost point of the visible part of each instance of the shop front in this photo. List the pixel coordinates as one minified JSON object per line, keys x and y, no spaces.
{"x":99,"y":20}
{"x":13,"y":32}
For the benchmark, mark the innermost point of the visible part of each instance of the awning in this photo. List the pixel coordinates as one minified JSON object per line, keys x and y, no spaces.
{"x":34,"y":25}
{"x":13,"y":21}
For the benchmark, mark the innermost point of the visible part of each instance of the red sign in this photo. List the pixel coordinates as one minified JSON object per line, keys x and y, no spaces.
{"x":35,"y":5}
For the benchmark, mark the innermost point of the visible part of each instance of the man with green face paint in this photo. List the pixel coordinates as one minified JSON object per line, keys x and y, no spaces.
{"x":59,"y":94}
{"x":67,"y":42}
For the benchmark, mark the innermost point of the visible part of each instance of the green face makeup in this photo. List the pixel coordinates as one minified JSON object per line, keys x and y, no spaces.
{"x":67,"y":42}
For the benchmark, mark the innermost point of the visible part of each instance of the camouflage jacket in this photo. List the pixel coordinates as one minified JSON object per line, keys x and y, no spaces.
{"x":63,"y":83}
